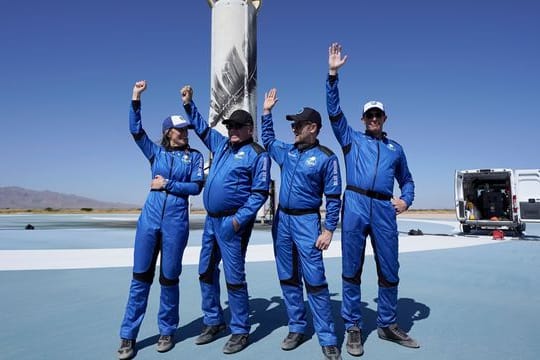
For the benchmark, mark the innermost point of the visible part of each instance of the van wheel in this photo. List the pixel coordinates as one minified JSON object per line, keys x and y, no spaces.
{"x":466,"y":229}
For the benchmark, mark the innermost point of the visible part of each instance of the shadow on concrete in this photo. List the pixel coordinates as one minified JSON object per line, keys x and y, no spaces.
{"x":408,"y":311}
{"x":271,"y":314}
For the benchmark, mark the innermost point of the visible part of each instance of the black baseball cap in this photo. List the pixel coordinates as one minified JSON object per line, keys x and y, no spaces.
{"x":306,"y":114}
{"x":239,"y":116}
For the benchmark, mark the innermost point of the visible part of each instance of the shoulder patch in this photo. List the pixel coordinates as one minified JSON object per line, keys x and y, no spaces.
{"x":258,"y":148}
{"x":326,"y":150}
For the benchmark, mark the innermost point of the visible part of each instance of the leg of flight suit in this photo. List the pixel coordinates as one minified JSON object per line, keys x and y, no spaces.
{"x":174,"y":240}
{"x":355,"y":223}
{"x":385,"y":247}
{"x":146,"y":249}
{"x":289,"y":272}
{"x":233,"y":248}
{"x":307,"y":230}
{"x":209,"y":260}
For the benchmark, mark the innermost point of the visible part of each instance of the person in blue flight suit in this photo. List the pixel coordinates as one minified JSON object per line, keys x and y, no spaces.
{"x":372,"y":162}
{"x":163,"y":226}
{"x":236,"y":187}
{"x":308,"y":170}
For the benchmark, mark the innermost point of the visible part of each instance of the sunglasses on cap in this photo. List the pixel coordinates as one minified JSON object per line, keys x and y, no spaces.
{"x":373,"y":114}
{"x":183,"y":129}
{"x":299,"y":125}
{"x":234,"y":126}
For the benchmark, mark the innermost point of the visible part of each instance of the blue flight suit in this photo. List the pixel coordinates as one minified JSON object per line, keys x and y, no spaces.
{"x":236,"y":187}
{"x":306,"y":174}
{"x":163,"y":227}
{"x":371,"y":166}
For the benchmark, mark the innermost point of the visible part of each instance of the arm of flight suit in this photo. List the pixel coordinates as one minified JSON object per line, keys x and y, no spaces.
{"x":405,"y":180}
{"x":332,"y":192}
{"x":340,"y":127}
{"x":210,"y":137}
{"x":148,"y":147}
{"x":277,"y":149}
{"x":194,"y":186}
{"x":260,"y":175}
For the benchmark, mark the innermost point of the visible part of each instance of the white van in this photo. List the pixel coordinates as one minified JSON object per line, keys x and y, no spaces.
{"x":497,"y":199}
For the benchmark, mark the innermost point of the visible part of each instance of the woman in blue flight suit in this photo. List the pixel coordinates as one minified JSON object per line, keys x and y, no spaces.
{"x":163,"y":226}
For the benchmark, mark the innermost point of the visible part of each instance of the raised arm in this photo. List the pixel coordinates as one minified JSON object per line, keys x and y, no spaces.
{"x":268,"y":135}
{"x":335,"y":60}
{"x":270,"y":100}
{"x":135,"y":122}
{"x":339,"y":124}
{"x":211,"y":137}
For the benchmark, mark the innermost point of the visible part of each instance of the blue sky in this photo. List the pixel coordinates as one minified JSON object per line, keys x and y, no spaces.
{"x":460,"y":80}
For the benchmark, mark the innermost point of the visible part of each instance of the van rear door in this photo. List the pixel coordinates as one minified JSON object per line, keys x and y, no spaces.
{"x":459,"y":196}
{"x":528,"y":194}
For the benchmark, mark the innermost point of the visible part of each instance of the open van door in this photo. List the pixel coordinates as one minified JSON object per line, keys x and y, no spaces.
{"x":528,"y":194}
{"x":458,"y":194}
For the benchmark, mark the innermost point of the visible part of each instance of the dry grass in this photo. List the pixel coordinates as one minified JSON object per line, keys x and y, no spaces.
{"x":430,"y":214}
{"x":69,"y":211}
{"x":413,"y":213}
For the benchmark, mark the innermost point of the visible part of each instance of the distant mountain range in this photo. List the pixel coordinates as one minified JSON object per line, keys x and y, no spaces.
{"x":12,"y":197}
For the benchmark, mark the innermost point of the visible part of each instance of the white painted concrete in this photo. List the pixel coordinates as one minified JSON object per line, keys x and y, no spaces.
{"x":105,"y":258}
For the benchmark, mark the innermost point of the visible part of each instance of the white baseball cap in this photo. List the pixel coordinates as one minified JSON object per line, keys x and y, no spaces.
{"x":374,"y":105}
{"x":174,"y":121}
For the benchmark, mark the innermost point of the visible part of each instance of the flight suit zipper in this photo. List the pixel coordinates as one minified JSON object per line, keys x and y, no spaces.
{"x":374,"y":178}
{"x":166,"y":192}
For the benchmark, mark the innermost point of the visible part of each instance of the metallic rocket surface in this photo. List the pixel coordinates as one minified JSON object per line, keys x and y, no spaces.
{"x":234,"y":60}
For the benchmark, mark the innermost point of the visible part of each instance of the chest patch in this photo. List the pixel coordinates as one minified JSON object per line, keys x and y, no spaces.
{"x":239,"y":155}
{"x":311,"y":161}
{"x":186,"y":159}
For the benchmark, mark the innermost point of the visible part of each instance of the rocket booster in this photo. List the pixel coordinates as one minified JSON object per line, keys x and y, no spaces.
{"x":233,"y":74}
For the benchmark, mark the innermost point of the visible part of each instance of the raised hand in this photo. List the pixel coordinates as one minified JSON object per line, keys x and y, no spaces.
{"x":335,"y":61}
{"x":138,"y":88}
{"x":186,"y":93}
{"x":270,"y":99}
